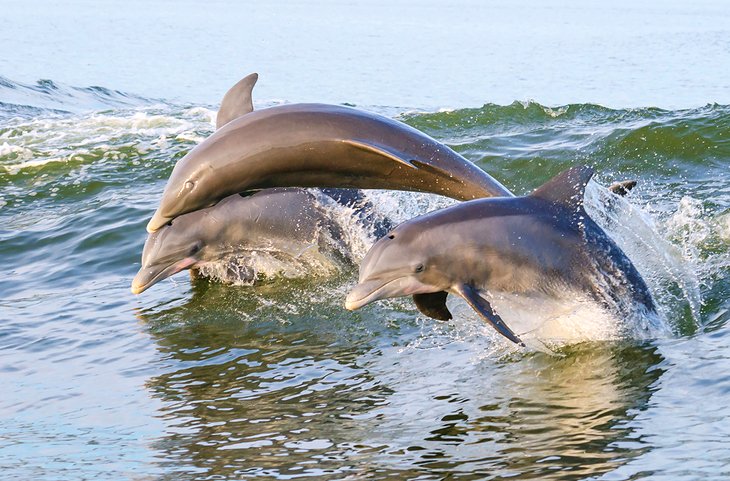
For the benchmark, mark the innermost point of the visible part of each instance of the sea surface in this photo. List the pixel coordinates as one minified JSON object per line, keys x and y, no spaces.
{"x":211,"y":379}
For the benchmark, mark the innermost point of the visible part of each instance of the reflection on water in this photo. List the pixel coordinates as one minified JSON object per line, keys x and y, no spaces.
{"x":325,"y":397}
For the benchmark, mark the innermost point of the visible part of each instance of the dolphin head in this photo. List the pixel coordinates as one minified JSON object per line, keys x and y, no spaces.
{"x":287,"y":221}
{"x":402,"y":263}
{"x":187,"y":190}
{"x":177,"y":246}
{"x":184,"y":191}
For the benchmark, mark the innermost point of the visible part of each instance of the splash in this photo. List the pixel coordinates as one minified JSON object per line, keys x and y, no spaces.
{"x":249,"y":268}
{"x":668,"y":273}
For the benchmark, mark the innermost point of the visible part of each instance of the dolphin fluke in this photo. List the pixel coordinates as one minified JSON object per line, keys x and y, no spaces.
{"x":622,"y":188}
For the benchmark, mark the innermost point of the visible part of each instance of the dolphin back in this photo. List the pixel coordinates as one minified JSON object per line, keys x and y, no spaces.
{"x":616,"y":279}
{"x":317,"y":145}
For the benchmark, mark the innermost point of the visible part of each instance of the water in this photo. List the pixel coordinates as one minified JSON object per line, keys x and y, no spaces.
{"x":406,"y":54}
{"x":204,"y":380}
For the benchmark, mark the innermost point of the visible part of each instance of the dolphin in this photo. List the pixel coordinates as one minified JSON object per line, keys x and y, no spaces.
{"x":285,"y":221}
{"x":313,"y":145}
{"x":543,"y":244}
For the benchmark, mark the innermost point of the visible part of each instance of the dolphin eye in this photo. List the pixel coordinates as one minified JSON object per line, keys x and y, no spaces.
{"x":194,"y":249}
{"x":391,"y":236}
{"x":419,"y":268}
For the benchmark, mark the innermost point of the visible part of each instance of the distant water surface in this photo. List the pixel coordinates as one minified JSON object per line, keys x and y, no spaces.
{"x":411,"y":54}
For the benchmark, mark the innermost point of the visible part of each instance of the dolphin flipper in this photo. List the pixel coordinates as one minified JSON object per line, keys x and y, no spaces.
{"x":433,"y":305}
{"x":484,"y":309}
{"x":237,"y":102}
{"x":380,"y":150}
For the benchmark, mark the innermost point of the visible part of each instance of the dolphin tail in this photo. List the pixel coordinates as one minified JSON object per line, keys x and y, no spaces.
{"x":622,"y":188}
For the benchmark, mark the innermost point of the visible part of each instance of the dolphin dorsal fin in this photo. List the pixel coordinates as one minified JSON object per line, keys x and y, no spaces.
{"x":237,"y":101}
{"x":566,"y":188}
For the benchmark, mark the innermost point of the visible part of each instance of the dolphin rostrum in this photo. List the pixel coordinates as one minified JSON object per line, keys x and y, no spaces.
{"x":313,"y":145}
{"x":543,"y":244}
{"x":285,"y":221}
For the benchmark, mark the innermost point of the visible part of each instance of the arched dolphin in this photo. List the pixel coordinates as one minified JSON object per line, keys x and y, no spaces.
{"x":541,"y":244}
{"x":284,"y":221}
{"x":313,"y":145}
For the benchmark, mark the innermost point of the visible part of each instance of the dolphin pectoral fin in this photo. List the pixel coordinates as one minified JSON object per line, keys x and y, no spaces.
{"x":237,"y":102}
{"x":433,"y":305}
{"x":484,"y":309}
{"x":380,"y":150}
{"x":622,"y":188}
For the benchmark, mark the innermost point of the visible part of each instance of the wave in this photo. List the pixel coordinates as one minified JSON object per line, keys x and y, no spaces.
{"x":48,"y":97}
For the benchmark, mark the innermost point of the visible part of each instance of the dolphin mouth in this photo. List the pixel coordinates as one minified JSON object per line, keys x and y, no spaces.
{"x":374,"y":290}
{"x":147,"y":277}
{"x":157,"y":221}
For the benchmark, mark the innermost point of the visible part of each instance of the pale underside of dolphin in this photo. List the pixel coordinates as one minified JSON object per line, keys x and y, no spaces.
{"x":542,"y":244}
{"x":313,"y":145}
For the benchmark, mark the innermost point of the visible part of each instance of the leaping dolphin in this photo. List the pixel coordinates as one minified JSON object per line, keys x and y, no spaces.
{"x":313,"y":145}
{"x":541,"y":244}
{"x":286,"y":221}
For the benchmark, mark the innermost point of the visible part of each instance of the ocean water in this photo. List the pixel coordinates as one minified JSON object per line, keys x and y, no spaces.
{"x":198,"y":380}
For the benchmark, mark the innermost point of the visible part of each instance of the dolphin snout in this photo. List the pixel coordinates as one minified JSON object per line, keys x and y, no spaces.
{"x":363,"y":294}
{"x":149,"y":276}
{"x":157,"y":222}
{"x":373,"y":290}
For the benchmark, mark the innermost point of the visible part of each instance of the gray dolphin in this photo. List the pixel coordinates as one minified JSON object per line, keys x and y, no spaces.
{"x":284,"y":221}
{"x":313,"y":145}
{"x":543,"y":244}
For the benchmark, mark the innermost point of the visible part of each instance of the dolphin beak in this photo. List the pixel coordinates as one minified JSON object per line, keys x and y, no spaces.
{"x":376,"y":289}
{"x":149,"y":276}
{"x":157,"y":221}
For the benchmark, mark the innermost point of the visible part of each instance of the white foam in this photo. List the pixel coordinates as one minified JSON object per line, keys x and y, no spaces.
{"x":723,"y":223}
{"x":250,"y":267}
{"x":31,"y":144}
{"x":402,"y":206}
